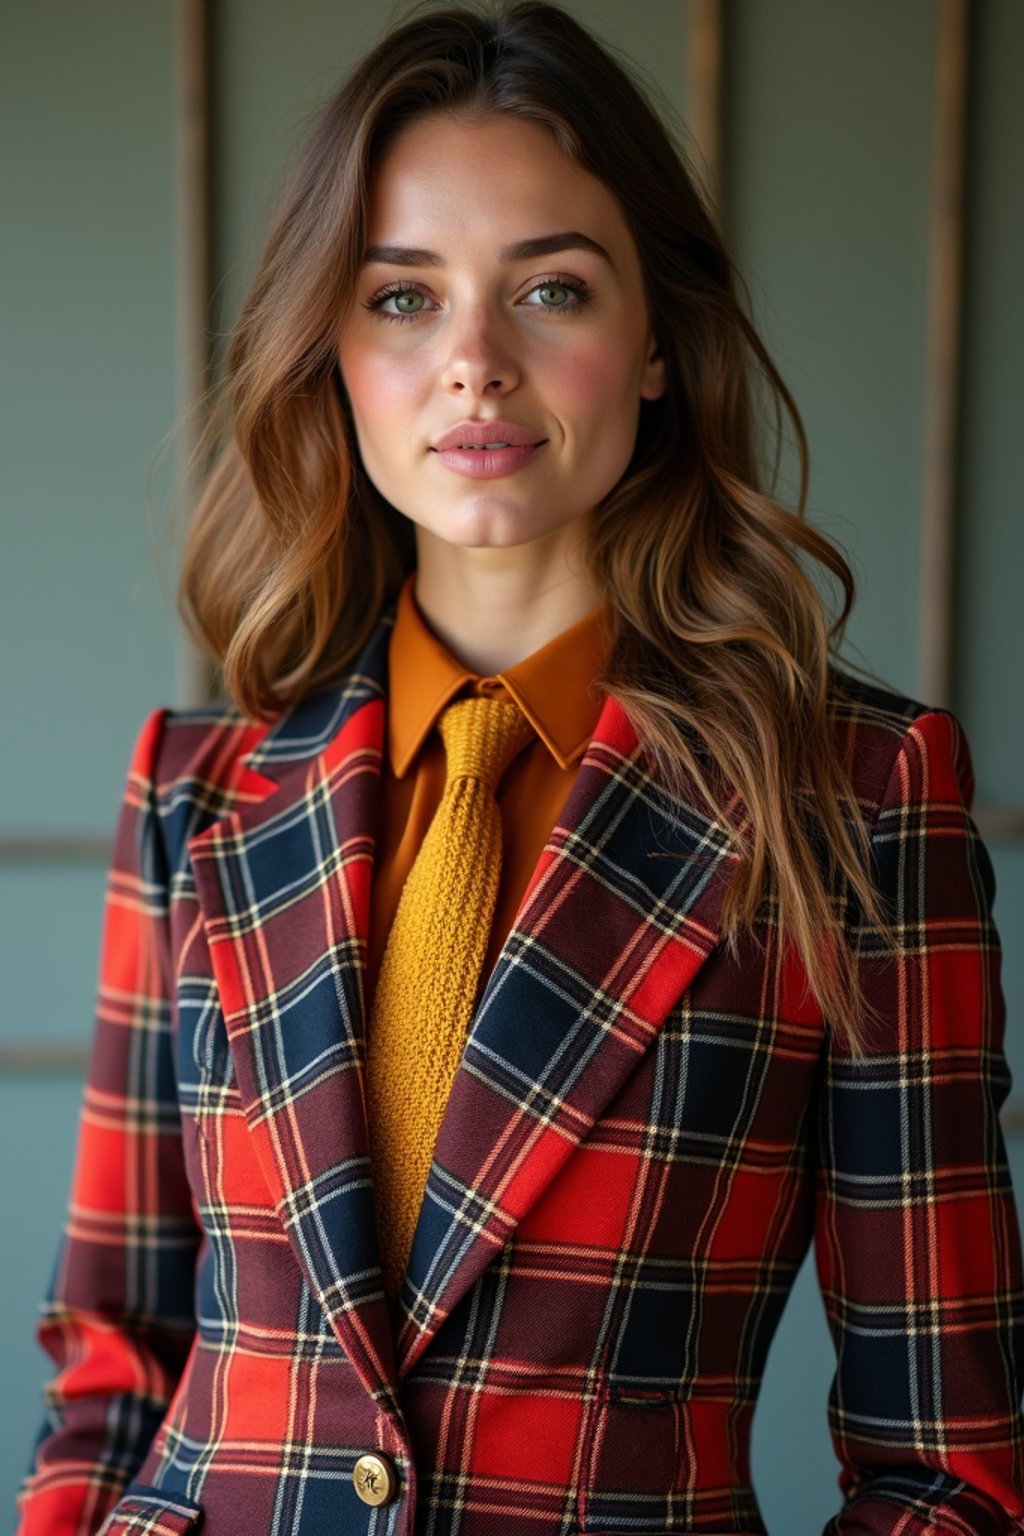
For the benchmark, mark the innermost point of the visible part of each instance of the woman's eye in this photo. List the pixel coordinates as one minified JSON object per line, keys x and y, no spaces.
{"x":557,"y":296}
{"x":408,"y":301}
{"x":567,"y":295}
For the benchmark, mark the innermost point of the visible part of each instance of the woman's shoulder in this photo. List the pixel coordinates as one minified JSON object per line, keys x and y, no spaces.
{"x":215,"y":745}
{"x":876,"y":725}
{"x":215,"y":752}
{"x":204,"y":745}
{"x":869,"y":703}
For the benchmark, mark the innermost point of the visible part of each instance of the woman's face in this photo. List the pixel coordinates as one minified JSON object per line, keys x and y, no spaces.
{"x":451,"y":324}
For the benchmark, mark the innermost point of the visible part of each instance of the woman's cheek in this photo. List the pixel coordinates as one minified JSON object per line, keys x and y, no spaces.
{"x":592,"y":382}
{"x":380,"y":385}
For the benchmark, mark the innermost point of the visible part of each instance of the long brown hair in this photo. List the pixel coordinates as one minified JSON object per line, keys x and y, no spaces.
{"x":723,"y":656}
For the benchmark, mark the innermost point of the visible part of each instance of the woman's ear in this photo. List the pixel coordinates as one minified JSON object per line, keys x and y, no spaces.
{"x":655,"y":376}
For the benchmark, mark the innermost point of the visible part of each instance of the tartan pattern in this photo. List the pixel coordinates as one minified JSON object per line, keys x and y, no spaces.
{"x":143,"y":1514}
{"x":644,"y":1135}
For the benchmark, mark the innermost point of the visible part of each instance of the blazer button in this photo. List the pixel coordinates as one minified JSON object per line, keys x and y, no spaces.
{"x":375,"y":1478}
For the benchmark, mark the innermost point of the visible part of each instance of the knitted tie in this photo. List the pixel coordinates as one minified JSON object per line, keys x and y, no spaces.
{"x":430,"y":970}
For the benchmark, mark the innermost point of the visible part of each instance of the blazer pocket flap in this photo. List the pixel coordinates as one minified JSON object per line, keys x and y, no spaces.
{"x":152,"y":1512}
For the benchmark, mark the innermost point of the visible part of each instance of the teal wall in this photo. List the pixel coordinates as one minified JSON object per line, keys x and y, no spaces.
{"x":827,"y":163}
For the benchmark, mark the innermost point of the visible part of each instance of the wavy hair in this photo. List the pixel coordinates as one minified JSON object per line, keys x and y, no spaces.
{"x":724,"y":653}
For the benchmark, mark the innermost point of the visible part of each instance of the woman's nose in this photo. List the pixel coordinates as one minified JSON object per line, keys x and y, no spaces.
{"x":479,"y":357}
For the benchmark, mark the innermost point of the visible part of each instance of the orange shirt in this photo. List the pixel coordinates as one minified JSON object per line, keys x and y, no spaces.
{"x":551,"y":687}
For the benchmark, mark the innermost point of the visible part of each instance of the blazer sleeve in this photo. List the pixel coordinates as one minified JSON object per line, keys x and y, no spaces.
{"x":916,"y":1236}
{"x":118,"y":1318}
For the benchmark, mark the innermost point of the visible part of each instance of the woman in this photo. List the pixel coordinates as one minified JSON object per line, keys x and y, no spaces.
{"x":550,"y":939}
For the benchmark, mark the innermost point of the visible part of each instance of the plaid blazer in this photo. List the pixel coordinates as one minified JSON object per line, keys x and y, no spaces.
{"x":644,"y":1136}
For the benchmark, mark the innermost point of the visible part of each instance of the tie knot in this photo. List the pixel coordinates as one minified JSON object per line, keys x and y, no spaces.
{"x":481,"y":737}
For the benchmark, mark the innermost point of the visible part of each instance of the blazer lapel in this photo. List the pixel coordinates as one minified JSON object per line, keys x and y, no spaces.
{"x":284,"y":888}
{"x":620,"y":913}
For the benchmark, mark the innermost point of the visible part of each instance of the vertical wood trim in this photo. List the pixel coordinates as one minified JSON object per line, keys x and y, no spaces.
{"x":704,"y":88}
{"x":192,"y":277}
{"x":942,"y":355}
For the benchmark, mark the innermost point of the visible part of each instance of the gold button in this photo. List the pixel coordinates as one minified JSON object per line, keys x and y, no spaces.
{"x":375,"y":1478}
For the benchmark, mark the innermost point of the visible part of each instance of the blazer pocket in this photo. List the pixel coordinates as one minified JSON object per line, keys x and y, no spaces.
{"x":633,"y":1463}
{"x":151,"y":1512}
{"x":641,"y":1464}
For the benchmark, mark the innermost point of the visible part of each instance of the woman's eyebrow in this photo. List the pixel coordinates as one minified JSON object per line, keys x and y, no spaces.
{"x":519,"y":250}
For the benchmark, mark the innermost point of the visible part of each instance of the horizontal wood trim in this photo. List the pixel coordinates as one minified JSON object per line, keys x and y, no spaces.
{"x":1000,"y":824}
{"x":59,"y":1059}
{"x":1012,"y":1119}
{"x":55,"y":848}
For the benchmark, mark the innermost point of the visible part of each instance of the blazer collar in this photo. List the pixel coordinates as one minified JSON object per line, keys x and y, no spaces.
{"x":620,"y":913}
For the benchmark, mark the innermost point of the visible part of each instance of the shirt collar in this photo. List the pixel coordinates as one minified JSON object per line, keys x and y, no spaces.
{"x":552,"y":686}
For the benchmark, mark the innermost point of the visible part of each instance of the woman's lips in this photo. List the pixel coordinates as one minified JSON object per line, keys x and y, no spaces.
{"x":487,"y":463}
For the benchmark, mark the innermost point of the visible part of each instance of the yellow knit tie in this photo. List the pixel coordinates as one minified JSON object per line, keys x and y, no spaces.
{"x":430,"y":970}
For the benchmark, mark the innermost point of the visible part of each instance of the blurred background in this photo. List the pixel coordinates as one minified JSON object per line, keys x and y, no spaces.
{"x":865,"y":161}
